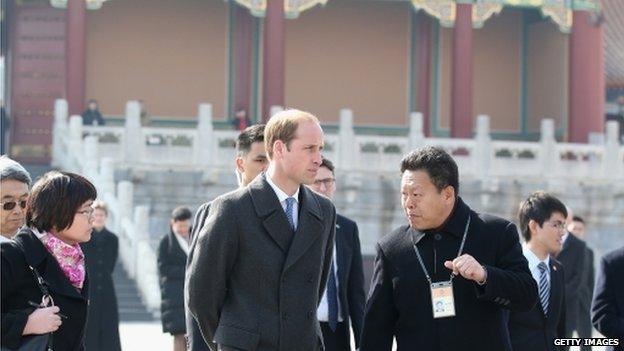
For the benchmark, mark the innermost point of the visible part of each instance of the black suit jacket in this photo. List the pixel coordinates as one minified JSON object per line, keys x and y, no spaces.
{"x":586,"y":295}
{"x":572,"y":257}
{"x":350,"y":274}
{"x":252,"y":283}
{"x":194,"y":338}
{"x":531,"y":330}
{"x":399,"y":300}
{"x":608,"y":304}
{"x":19,"y":286}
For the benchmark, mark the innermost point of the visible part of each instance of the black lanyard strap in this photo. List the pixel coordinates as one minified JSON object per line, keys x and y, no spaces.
{"x":461,"y":248}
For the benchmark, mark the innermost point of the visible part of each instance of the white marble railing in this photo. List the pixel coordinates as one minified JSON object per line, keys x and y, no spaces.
{"x":96,"y":151}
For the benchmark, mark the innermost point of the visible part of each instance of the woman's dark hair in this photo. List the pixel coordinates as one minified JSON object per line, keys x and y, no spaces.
{"x":438,"y":164}
{"x":55,"y":198}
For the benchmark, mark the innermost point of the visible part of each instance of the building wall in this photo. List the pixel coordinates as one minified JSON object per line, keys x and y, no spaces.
{"x":172,"y":54}
{"x":350,"y":54}
{"x":497,"y":65}
{"x":497,"y":71}
{"x":547,"y":75}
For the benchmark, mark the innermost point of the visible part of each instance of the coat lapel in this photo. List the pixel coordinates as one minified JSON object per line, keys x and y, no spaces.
{"x":309,"y":229}
{"x":39,"y":258}
{"x":270,"y":210}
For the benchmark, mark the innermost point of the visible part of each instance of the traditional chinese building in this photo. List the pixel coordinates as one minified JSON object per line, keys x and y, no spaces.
{"x":518,"y":61}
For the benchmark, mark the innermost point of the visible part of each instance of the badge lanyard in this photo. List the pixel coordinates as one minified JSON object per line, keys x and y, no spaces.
{"x":461,"y":248}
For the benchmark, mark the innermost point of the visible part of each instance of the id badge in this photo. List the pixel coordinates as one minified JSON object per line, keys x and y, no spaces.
{"x":442,"y":299}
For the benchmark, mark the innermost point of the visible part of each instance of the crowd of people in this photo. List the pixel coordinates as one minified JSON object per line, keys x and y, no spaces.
{"x":272,"y":265}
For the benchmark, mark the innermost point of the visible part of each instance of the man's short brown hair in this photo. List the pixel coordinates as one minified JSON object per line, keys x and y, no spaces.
{"x":100,"y":205}
{"x":283,"y":126}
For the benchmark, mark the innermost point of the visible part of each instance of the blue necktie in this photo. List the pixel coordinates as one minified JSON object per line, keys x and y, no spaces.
{"x":544,"y":286}
{"x":332,"y":299}
{"x":290,"y":202}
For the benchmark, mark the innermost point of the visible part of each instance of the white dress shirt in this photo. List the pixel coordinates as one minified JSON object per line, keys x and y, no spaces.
{"x":282,"y":196}
{"x":533,"y":262}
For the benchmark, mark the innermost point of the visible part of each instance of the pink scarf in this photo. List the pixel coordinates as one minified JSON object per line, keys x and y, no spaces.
{"x":69,"y":257}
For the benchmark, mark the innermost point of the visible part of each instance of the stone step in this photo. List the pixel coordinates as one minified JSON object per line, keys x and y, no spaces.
{"x":131,"y":308}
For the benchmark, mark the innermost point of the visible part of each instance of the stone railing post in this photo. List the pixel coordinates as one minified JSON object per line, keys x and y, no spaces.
{"x":125,"y":196}
{"x":91,"y":158}
{"x":346,"y":139}
{"x":133,"y":141}
{"x":74,"y":150}
{"x":416,"y":134}
{"x":58,"y":131}
{"x":204,"y":146}
{"x":483,"y":148}
{"x":612,"y":160}
{"x":548,"y":148}
{"x":107,"y":176}
{"x":141,"y":222}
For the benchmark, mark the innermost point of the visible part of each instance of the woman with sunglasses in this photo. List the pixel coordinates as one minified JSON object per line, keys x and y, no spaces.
{"x":58,"y":218}
{"x":14,"y":184}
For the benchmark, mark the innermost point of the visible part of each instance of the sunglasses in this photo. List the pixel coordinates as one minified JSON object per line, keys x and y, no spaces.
{"x":9,"y":205}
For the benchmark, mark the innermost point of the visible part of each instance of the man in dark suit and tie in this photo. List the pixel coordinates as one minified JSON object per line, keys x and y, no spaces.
{"x":442,"y":282}
{"x":542,"y":221}
{"x":344,"y":297}
{"x":577,"y":228}
{"x":572,"y":257}
{"x":608,"y":304}
{"x":250,"y":161}
{"x":261,"y":261}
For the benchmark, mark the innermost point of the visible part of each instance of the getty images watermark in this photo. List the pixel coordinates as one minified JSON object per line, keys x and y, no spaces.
{"x":587,"y":342}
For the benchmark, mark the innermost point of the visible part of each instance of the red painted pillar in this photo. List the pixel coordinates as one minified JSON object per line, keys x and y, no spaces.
{"x":243,"y":41}
{"x":273,"y":57}
{"x":75,"y":53}
{"x":586,"y":81}
{"x":461,"y":86}
{"x":423,"y":76}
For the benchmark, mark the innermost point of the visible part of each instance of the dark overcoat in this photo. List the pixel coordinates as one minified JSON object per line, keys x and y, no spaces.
{"x":252,"y":283}
{"x":171,"y":267}
{"x":19,"y":287}
{"x":103,"y":320}
{"x":572,"y":257}
{"x":608,"y":304}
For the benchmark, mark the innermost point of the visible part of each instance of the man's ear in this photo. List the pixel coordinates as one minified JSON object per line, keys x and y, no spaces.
{"x":533,"y":225}
{"x":449,"y":194}
{"x":239,"y":164}
{"x":278,"y":149}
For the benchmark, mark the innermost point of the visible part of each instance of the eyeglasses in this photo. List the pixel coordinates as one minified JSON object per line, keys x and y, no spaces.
{"x":557,"y":225}
{"x":9,"y":205}
{"x":87,"y":213}
{"x":327,"y":182}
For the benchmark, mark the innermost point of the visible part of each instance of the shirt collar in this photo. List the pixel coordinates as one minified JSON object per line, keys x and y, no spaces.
{"x":533,"y":260}
{"x":281,"y":195}
{"x":456,"y":222}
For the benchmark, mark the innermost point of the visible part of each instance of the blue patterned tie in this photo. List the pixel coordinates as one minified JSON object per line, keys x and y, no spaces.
{"x":544,"y":286}
{"x":332,"y":299}
{"x":290,"y":202}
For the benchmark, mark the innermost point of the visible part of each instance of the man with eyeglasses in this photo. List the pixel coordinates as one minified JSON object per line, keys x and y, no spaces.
{"x":14,"y":189}
{"x":344,"y":296}
{"x":542,"y":224}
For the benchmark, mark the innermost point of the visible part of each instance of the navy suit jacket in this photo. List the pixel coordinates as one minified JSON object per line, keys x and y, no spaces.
{"x":531,"y":330}
{"x":608,"y":304}
{"x":350,"y":274}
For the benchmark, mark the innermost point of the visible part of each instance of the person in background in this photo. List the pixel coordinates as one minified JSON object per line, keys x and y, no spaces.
{"x":608,"y":305}
{"x":542,"y":224}
{"x":172,"y":252}
{"x":584,"y":329}
{"x":59,"y":217}
{"x":240,"y":121}
{"x":14,"y":189}
{"x":101,"y":256}
{"x":342,"y":304}
{"x":92,"y":115}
